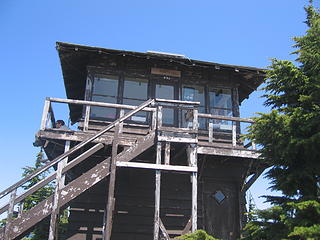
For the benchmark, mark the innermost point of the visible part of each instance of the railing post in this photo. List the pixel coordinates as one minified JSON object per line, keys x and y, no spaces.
{"x":159,"y":116}
{"x":157,"y":181}
{"x":195,"y":124}
{"x":10,"y":214}
{"x":60,"y":179}
{"x":86,"y":118}
{"x":45,"y":112}
{"x":234,"y":133}
{"x":254,"y":146}
{"x":192,"y":158}
{"x":121,"y":123}
{"x":157,"y":195}
{"x":210,"y":132}
{"x":107,"y":227}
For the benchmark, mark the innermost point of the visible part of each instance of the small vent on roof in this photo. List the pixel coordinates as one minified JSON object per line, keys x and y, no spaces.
{"x":166,"y":54}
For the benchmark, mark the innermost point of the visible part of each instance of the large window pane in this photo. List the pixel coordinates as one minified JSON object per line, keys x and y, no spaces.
{"x":166,"y":92}
{"x":105,"y":89}
{"x":221,"y":104}
{"x":194,"y":94}
{"x":135,"y":92}
{"x":103,"y":112}
{"x":107,"y":86}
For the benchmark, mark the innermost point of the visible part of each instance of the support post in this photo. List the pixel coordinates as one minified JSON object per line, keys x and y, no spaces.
{"x":157,"y":195}
{"x":210,"y":132}
{"x":121,"y":123}
{"x":192,"y":155}
{"x":234,"y":134}
{"x":107,"y":228}
{"x":10,"y":214}
{"x":86,"y":118}
{"x":45,"y":112}
{"x":167,"y":153}
{"x":157,"y":181}
{"x":60,"y":179}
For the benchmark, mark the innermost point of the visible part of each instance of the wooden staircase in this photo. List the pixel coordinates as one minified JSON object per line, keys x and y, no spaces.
{"x":16,"y":227}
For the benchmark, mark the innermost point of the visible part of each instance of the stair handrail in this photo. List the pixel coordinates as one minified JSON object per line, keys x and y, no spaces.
{"x":75,"y":148}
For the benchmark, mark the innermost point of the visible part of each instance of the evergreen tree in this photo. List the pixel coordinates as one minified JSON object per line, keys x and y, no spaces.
{"x":41,"y":230}
{"x":290,"y":141}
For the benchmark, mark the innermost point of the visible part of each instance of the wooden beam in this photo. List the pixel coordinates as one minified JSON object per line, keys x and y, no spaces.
{"x":107,"y":228}
{"x":157,"y":195}
{"x":174,"y":168}
{"x":187,"y":227}
{"x":252,"y":180}
{"x":177,"y":139}
{"x":60,"y":180}
{"x":228,"y":152}
{"x":10,"y":215}
{"x":29,"y":218}
{"x":219,"y":117}
{"x":164,"y":231}
{"x":52,"y":176}
{"x":167,"y":154}
{"x":99,"y":104}
{"x":192,"y":156}
{"x":44,"y":118}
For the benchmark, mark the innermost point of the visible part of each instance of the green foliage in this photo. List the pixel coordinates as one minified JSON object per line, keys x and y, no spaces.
{"x":290,"y":134}
{"x":41,"y":230}
{"x":290,"y":140}
{"x":197,"y":235}
{"x":294,"y":220}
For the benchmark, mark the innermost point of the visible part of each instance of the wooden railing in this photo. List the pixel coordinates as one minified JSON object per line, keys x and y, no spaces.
{"x":191,"y":107}
{"x":61,"y":161}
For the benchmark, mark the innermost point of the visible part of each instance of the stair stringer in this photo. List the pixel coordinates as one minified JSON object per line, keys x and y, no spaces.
{"x":72,"y":190}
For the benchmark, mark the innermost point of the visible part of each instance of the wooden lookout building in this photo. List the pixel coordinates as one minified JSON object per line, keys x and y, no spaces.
{"x":157,"y":152}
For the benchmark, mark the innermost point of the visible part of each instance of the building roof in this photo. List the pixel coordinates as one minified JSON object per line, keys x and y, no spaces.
{"x":76,"y":58}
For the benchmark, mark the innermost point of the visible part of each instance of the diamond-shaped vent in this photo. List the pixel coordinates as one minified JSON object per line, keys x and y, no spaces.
{"x":219,"y":196}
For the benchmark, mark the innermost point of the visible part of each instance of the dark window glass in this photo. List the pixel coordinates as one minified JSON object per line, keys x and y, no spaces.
{"x":221,"y":104}
{"x":105,"y":89}
{"x":194,"y":94}
{"x":135,"y":92}
{"x":166,"y":92}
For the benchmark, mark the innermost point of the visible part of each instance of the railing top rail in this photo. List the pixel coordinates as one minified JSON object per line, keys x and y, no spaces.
{"x":96,"y":104}
{"x":75,"y":148}
{"x":177,"y":102}
{"x":219,"y":117}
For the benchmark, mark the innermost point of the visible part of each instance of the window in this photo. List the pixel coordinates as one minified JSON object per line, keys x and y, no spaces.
{"x":135,"y":92}
{"x":194,"y":94}
{"x":165,"y":91}
{"x":105,"y":89}
{"x":221,"y":104}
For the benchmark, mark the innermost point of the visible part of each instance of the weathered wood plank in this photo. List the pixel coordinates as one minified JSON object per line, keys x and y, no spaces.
{"x":164,"y":231}
{"x":107,"y":228}
{"x":157,"y":195}
{"x":177,"y":139}
{"x":98,"y":104}
{"x":192,"y":155}
{"x":174,"y":168}
{"x":10,"y":215}
{"x":228,"y":152}
{"x":76,"y":148}
{"x":45,"y":112}
{"x":52,"y":176}
{"x":187,"y":227}
{"x":60,"y":179}
{"x":167,"y":154}
{"x":219,"y":117}
{"x":68,"y":193}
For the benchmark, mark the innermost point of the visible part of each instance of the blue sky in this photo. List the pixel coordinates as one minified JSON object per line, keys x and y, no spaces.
{"x":247,"y":32}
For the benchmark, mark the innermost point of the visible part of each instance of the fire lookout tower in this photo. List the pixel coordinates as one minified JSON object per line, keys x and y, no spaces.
{"x":157,"y":152}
